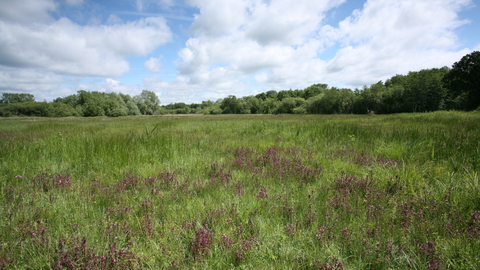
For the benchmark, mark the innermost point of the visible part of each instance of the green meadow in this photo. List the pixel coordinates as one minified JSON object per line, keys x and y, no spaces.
{"x":395,"y":191}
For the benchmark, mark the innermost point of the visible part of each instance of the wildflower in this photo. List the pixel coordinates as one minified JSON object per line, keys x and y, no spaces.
{"x":18,"y":176}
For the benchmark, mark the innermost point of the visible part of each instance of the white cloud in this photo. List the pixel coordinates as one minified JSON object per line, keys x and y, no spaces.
{"x":218,"y":17}
{"x":274,"y":40}
{"x":68,"y":48}
{"x":26,"y":11}
{"x":43,"y":85}
{"x":27,"y":79}
{"x":385,"y":38}
{"x":132,"y":38}
{"x":153,"y":64}
{"x":74,"y":2}
{"x":286,"y":22}
{"x":111,"y":85}
{"x":279,"y":42}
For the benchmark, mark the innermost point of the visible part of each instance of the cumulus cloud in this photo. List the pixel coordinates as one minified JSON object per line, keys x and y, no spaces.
{"x":279,"y":43}
{"x":111,"y":85}
{"x":27,"y":11}
{"x":131,"y":38}
{"x":218,"y":17}
{"x":385,"y":38}
{"x":13,"y":80}
{"x":38,"y":83}
{"x":68,"y":48}
{"x":286,"y":22}
{"x":272,"y":40}
{"x":153,"y":64}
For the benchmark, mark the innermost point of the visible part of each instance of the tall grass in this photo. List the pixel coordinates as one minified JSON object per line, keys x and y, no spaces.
{"x":303,"y":192}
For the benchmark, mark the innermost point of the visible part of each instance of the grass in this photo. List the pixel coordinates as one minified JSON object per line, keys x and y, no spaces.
{"x":247,"y":192}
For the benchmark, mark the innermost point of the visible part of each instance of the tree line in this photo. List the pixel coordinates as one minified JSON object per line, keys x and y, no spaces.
{"x":81,"y":104}
{"x":456,"y":88}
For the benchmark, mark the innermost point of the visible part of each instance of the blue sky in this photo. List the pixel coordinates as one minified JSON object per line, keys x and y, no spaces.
{"x":195,"y":50}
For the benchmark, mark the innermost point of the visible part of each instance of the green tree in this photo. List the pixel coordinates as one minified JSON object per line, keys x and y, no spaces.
{"x":16,"y":98}
{"x":72,"y":100}
{"x":60,"y":109}
{"x":332,"y":101}
{"x":147,"y":102}
{"x":92,"y":103}
{"x":270,"y":105}
{"x":314,"y":90}
{"x":463,"y":81}
{"x":232,"y":104}
{"x":261,"y":96}
{"x":253,"y":104}
{"x":284,"y":94}
{"x":424,"y":90}
{"x":271,"y":94}
{"x":288,"y":105}
{"x":369,"y":99}
{"x":393,"y":100}
{"x":130,"y":104}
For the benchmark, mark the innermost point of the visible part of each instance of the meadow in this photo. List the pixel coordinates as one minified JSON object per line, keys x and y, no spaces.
{"x":241,"y":192}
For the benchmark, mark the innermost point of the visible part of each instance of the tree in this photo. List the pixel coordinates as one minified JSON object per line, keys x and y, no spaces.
{"x":232,"y":104}
{"x":463,"y":81}
{"x":131,"y":106}
{"x":332,"y":101}
{"x":261,"y":96}
{"x":17,"y":98}
{"x":369,"y":99}
{"x":253,"y":104}
{"x":270,"y":105}
{"x":284,"y":94}
{"x":289,"y":104}
{"x":147,"y":102}
{"x":71,"y":100}
{"x":271,"y":94}
{"x":424,"y":90}
{"x":314,"y":90}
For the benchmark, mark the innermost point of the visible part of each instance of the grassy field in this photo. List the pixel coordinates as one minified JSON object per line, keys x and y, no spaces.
{"x":246,"y":192}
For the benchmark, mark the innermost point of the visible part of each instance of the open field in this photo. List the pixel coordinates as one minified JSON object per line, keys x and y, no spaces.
{"x":247,"y":192}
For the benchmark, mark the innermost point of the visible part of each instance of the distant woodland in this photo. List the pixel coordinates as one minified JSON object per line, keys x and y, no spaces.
{"x":455,"y":88}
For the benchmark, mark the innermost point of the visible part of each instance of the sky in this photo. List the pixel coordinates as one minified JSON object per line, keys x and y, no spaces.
{"x":196,"y":50}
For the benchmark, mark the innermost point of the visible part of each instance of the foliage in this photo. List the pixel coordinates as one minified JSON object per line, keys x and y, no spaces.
{"x":332,"y":101}
{"x":233,"y":105}
{"x":288,"y":105}
{"x":16,"y":98}
{"x":147,"y":102}
{"x":463,"y":81}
